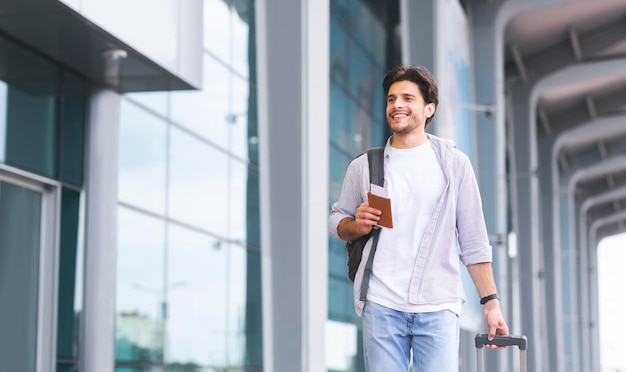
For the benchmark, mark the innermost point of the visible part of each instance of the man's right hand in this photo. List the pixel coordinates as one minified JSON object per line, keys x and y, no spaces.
{"x":365,"y":219}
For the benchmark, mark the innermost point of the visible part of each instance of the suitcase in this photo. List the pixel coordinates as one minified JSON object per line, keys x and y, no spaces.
{"x":519,"y":341}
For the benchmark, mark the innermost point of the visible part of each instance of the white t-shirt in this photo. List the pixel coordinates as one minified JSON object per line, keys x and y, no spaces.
{"x":415,"y":182}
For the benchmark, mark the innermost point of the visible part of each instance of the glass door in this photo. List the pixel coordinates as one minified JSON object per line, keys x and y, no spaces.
{"x":27,"y":290}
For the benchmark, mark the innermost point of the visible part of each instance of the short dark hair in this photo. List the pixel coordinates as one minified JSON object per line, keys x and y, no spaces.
{"x":418,"y":75}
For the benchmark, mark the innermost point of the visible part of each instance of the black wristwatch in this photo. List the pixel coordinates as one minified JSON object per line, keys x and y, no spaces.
{"x":486,"y":299}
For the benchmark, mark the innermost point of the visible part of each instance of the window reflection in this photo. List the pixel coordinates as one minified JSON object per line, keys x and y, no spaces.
{"x":155,"y":101}
{"x":206,"y":112}
{"x":236,"y":322}
{"x":142,"y":172}
{"x":341,"y":350}
{"x":238,"y":118}
{"x":197,"y":295}
{"x":199,"y":193}
{"x":140,"y":295}
{"x":238,"y":201}
{"x":217,"y":31}
{"x":3,"y":116}
{"x":340,"y":123}
{"x":73,"y":108}
{"x":241,"y":34}
{"x":201,"y":307}
{"x":253,"y":210}
{"x":32,"y":126}
{"x":70,"y":276}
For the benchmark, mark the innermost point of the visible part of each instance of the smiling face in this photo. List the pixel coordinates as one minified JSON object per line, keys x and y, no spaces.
{"x":406,"y":110}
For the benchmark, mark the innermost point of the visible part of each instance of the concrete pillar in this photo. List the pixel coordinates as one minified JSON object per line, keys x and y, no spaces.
{"x":525,"y":190}
{"x":293,"y":88}
{"x":491,"y":149}
{"x":417,"y":21}
{"x":98,"y":318}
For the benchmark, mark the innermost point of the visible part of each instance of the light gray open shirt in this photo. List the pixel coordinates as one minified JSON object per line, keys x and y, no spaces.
{"x":455,"y":233}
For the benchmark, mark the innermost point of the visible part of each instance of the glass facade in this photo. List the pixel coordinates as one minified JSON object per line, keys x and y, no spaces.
{"x":188,"y":280}
{"x":20,"y":218}
{"x":42,"y":115}
{"x":364,"y":44}
{"x":42,"y":130}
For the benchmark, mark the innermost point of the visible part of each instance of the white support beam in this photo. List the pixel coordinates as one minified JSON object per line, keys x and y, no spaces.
{"x":591,"y":107}
{"x":545,"y":122}
{"x":575,"y":43}
{"x":519,"y":63}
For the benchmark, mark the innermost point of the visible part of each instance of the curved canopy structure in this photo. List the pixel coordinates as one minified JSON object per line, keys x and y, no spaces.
{"x":564,"y":78}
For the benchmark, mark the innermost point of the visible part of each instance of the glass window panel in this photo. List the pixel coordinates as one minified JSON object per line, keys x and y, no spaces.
{"x":207,"y":112}
{"x":254,"y":312}
{"x":253,"y":211}
{"x":355,"y":10}
{"x":20,"y":221}
{"x":378,"y":99}
{"x":142,"y":158}
{"x":236,"y":314}
{"x":69,"y":277}
{"x":341,"y":346}
{"x":155,"y":101}
{"x":32,"y":129}
{"x":364,"y":125}
{"x":253,"y":129}
{"x":338,"y":54}
{"x":239,"y":123}
{"x":379,"y":134}
{"x":339,"y":162}
{"x":361,"y":132}
{"x":73,"y":127}
{"x":217,"y":30}
{"x":241,"y":35}
{"x":198,"y":183}
{"x":360,"y":82}
{"x":340,"y":300}
{"x":30,"y":106}
{"x":337,"y":260}
{"x":140,"y":297}
{"x":197,"y":298}
{"x":238,"y":201}
{"x":340,"y":125}
{"x":374,"y":35}
{"x":336,"y":299}
{"x":66,"y":368}
{"x":3,"y":119}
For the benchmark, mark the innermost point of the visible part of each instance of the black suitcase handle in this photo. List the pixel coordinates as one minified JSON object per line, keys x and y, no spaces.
{"x":519,"y":341}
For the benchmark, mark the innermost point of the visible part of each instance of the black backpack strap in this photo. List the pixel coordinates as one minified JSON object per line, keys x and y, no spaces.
{"x":365,"y":284}
{"x":376,"y":160}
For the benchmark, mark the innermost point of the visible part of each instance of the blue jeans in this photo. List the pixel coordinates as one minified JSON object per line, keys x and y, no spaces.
{"x":389,"y":336}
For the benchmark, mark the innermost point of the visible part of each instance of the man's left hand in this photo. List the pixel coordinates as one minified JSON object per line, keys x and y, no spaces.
{"x":495,"y":322}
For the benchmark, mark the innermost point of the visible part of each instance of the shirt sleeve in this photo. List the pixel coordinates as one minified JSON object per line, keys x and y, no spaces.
{"x":472,"y":230}
{"x":350,"y":197}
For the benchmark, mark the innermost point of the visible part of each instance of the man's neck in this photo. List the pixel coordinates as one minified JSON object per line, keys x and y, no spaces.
{"x":409,"y":140}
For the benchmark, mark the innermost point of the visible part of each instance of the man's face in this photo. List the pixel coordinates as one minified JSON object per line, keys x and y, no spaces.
{"x":406,"y":110}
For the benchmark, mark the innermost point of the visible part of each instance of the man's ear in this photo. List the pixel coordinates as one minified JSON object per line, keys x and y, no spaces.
{"x":430,"y":110}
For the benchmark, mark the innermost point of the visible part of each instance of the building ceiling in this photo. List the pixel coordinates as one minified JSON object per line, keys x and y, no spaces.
{"x":58,"y":32}
{"x":578,"y":50}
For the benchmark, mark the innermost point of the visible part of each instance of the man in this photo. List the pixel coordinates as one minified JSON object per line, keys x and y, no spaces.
{"x":415,"y":291}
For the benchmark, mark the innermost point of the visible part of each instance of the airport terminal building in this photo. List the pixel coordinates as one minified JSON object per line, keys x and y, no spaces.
{"x":167,"y":169}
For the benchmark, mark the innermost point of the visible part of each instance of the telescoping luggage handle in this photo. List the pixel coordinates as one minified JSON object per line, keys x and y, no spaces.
{"x":520,"y":341}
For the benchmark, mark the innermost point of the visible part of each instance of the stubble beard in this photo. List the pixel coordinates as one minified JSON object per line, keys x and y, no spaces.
{"x":409,"y":125}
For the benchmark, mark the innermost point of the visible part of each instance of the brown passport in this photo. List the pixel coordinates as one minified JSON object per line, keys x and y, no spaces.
{"x":384,"y":205}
